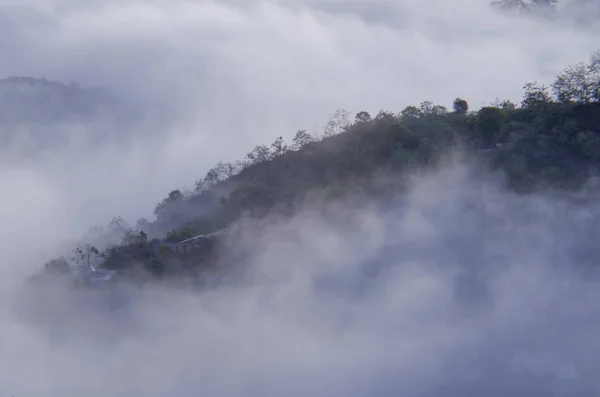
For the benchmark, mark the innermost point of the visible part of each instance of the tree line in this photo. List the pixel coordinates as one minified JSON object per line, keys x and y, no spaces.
{"x":551,"y":139}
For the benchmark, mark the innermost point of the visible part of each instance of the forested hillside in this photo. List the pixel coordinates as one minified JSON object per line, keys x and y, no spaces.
{"x":551,"y":140}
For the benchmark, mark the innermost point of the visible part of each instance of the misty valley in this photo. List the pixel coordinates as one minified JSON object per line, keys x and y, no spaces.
{"x":426,"y":251}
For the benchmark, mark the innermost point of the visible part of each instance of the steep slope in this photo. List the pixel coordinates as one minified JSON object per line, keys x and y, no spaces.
{"x":551,"y":141}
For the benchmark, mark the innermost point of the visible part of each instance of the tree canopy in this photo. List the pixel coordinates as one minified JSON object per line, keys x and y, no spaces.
{"x":550,"y":139}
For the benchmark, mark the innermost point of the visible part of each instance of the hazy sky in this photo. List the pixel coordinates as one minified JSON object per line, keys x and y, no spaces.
{"x":244,"y":72}
{"x":240,"y":73}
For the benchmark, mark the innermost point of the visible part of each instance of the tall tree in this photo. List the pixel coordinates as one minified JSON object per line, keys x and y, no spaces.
{"x":362,"y":117}
{"x":338,"y":122}
{"x":535,"y":94}
{"x":301,"y":139}
{"x":278,"y":147}
{"x":572,"y":84}
{"x":86,"y":255}
{"x":385,"y":115}
{"x":460,"y":106}
{"x":426,"y":107}
{"x":488,"y":122}
{"x":411,"y":112}
{"x":259,"y":154}
{"x":175,"y":197}
{"x":579,"y":82}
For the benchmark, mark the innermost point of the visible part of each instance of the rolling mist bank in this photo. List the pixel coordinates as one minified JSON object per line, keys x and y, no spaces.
{"x":439,"y":239}
{"x":458,"y":287}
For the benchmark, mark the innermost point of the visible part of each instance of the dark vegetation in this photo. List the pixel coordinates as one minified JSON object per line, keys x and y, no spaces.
{"x":551,"y":140}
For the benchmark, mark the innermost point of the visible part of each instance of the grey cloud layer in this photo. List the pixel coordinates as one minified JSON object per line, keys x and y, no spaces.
{"x":245,"y":72}
{"x":324,"y":53}
{"x":479,"y":287}
{"x":241,"y":73}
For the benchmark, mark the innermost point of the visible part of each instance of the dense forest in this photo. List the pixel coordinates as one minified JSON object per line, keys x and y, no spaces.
{"x":551,"y":140}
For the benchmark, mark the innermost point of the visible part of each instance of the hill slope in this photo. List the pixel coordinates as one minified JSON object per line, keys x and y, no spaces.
{"x":550,"y":141}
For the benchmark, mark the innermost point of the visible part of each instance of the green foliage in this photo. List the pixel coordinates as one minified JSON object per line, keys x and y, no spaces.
{"x":218,"y":174}
{"x":437,"y":110}
{"x":173,"y":197}
{"x":460,"y":106}
{"x":251,"y":199}
{"x":301,"y":139}
{"x":260,"y":154}
{"x":135,"y":238}
{"x":385,"y":115}
{"x":546,"y":141}
{"x":278,"y":147}
{"x":580,"y":82}
{"x":535,"y":95}
{"x":489,"y":121}
{"x":411,"y":112}
{"x":177,"y":235}
{"x":506,"y":105}
{"x":362,"y":117}
{"x":427,"y":107}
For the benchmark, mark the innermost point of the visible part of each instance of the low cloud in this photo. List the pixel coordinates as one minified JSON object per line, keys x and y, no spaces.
{"x":439,"y":287}
{"x":459,"y":287}
{"x":226,"y":76}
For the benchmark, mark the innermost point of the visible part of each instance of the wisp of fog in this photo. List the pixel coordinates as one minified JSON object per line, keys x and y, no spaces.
{"x":457,"y":282}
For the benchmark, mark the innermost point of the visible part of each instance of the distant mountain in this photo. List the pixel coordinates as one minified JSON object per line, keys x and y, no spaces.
{"x":37,"y":113}
{"x":33,"y":100}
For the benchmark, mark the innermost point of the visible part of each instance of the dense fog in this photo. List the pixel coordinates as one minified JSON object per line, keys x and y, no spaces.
{"x":459,"y":280}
